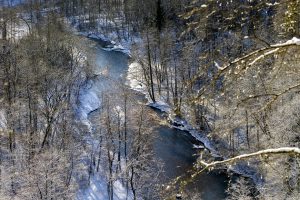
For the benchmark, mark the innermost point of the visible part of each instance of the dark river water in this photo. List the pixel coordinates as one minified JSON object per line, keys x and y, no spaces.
{"x":173,"y":147}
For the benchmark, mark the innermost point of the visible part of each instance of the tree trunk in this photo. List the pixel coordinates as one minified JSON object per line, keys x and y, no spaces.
{"x":152,"y":94}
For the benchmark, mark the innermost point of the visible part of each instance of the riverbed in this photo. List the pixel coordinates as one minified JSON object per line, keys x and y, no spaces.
{"x":175,"y":148}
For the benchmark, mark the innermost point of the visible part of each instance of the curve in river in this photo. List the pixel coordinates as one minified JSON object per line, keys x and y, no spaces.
{"x":173,"y":147}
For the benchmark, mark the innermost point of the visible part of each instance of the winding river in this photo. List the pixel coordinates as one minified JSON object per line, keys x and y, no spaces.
{"x":174,"y":147}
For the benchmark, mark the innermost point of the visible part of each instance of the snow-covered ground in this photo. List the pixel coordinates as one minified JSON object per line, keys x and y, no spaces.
{"x":3,"y":122}
{"x":113,"y":40}
{"x":88,"y":102}
{"x":97,"y":190}
{"x":134,"y":78}
{"x":110,"y":45}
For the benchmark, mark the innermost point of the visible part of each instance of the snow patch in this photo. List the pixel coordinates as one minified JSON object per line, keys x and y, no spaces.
{"x":108,"y":43}
{"x":160,"y":105}
{"x":135,"y":78}
{"x":218,"y":66}
{"x":3,"y":122}
{"x":117,"y":47}
{"x":198,"y":146}
{"x":98,"y":190}
{"x":293,"y":41}
{"x":88,"y":102}
{"x":272,"y":4}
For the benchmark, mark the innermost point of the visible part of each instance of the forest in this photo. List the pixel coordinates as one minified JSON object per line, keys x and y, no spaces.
{"x":150,"y":99}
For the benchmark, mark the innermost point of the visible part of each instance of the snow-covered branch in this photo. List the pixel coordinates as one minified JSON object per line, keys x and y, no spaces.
{"x":292,"y":42}
{"x":208,"y":166}
{"x":265,"y":51}
{"x":263,"y":55}
{"x":276,"y":151}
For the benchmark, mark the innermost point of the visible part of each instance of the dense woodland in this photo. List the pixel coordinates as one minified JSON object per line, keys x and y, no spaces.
{"x":231,"y":69}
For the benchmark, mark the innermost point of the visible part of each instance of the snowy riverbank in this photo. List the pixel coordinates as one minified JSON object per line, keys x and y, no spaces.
{"x":107,"y":43}
{"x":135,"y":82}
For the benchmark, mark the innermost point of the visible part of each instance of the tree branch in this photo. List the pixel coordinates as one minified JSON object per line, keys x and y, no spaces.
{"x":208,"y":166}
{"x":265,"y":52}
{"x":277,"y":151}
{"x":293,"y":42}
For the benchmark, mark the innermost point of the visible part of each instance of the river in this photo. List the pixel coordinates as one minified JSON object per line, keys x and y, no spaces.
{"x":175,"y":148}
